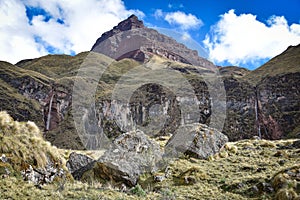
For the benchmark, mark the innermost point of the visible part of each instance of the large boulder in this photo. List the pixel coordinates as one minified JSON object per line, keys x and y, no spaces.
{"x":132,"y":154}
{"x":197,"y":140}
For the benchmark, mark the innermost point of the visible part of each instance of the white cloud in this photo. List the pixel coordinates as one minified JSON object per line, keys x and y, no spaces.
{"x":241,"y":39}
{"x":185,"y":21}
{"x":15,"y":34}
{"x":178,"y":18}
{"x":158,"y":13}
{"x":84,"y":21}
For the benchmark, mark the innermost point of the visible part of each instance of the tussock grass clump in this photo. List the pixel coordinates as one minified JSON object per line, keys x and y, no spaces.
{"x":229,"y":149}
{"x":191,"y":176}
{"x":267,"y":143}
{"x":286,"y":194}
{"x":286,"y":183}
{"x":23,"y":144}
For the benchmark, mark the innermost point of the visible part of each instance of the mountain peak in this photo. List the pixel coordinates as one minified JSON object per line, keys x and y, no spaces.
{"x":131,"y":39}
{"x":131,"y":22}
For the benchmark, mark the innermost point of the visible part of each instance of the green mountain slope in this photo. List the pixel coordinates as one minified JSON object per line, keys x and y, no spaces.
{"x":284,"y":63}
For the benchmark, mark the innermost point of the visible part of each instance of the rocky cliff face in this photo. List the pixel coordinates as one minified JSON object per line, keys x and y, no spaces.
{"x":240,"y":119}
{"x":279,"y":106}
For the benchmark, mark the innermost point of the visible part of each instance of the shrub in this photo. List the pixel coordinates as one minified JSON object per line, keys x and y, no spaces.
{"x":138,"y":190}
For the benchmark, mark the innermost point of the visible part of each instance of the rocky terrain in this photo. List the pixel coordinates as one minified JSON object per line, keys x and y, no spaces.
{"x":31,"y":168}
{"x":139,"y":117}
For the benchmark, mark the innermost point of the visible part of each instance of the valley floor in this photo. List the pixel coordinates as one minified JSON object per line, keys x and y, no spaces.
{"x":247,"y":169}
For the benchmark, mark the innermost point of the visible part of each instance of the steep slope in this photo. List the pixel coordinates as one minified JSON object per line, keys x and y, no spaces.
{"x":22,"y":92}
{"x":285,"y":63}
{"x":54,"y":66}
{"x":264,"y":101}
{"x":278,"y":94}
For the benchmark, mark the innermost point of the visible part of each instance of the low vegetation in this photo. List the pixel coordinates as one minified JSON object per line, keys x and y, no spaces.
{"x":247,"y":169}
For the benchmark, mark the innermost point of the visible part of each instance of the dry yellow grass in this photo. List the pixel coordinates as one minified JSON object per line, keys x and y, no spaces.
{"x":241,"y":170}
{"x":23,"y":143}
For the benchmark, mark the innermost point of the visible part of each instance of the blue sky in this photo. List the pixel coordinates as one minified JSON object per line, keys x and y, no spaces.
{"x":245,"y":33}
{"x":209,"y":11}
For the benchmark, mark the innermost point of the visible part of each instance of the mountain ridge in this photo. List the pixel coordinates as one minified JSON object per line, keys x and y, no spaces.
{"x":53,"y":76}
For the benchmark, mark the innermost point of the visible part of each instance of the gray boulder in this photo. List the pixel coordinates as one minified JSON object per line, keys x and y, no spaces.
{"x":197,"y":140}
{"x":132,"y":154}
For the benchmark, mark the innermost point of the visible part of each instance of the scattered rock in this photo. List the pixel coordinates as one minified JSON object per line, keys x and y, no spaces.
{"x":264,"y":187}
{"x":159,"y":178}
{"x":5,"y":169}
{"x":3,"y":158}
{"x":256,"y":137}
{"x":255,"y":189}
{"x":282,"y":162}
{"x":281,"y":154}
{"x":42,"y":176}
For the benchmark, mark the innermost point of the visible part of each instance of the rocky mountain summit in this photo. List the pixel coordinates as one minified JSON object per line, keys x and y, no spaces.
{"x":131,"y":23}
{"x":131,"y":39}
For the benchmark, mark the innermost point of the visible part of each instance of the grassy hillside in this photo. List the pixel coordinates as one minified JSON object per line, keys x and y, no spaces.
{"x":286,"y":62}
{"x":233,"y":71}
{"x":54,"y":66}
{"x":14,"y":79}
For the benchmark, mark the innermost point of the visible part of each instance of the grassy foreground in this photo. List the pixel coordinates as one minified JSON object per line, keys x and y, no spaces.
{"x":247,"y":169}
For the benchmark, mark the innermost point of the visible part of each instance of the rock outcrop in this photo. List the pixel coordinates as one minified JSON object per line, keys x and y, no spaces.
{"x":78,"y":164}
{"x":131,"y":23}
{"x":279,"y":106}
{"x":240,"y":122}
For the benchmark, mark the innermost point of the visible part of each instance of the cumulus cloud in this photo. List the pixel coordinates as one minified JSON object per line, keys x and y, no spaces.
{"x":67,"y":27}
{"x":182,"y":20}
{"x":16,"y":37}
{"x":185,"y":21}
{"x":241,"y":39}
